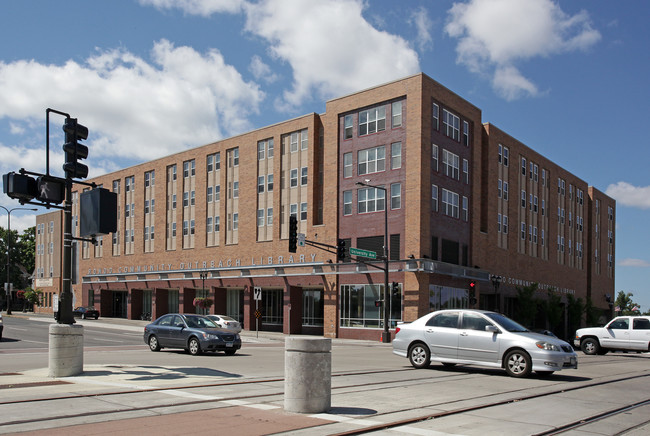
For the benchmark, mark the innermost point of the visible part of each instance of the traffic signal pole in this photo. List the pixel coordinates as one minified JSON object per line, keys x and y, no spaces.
{"x":65,"y":315}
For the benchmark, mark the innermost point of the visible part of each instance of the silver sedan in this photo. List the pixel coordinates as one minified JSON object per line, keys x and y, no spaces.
{"x":476,"y":337}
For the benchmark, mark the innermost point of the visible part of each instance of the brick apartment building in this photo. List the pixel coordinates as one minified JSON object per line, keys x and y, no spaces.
{"x":465,"y":203}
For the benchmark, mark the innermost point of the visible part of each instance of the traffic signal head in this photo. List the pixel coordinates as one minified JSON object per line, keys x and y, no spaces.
{"x":472,"y":289}
{"x":293,"y":233}
{"x":19,"y":186}
{"x":75,"y":132}
{"x":340,"y":250}
{"x":50,"y":189}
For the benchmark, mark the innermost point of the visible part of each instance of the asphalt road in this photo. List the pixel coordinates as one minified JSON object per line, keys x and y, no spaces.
{"x":372,"y":390}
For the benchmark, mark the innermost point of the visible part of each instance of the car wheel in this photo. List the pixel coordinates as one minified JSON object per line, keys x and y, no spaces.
{"x":590,"y":346}
{"x":518,"y":363}
{"x":420,"y":356}
{"x":544,"y":373}
{"x":154,"y":345}
{"x":230,"y":352}
{"x":194,"y":347}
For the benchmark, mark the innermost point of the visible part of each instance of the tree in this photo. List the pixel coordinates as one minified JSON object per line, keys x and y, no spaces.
{"x":22,"y":260}
{"x":526,"y":305}
{"x":553,"y":309}
{"x":625,"y":304}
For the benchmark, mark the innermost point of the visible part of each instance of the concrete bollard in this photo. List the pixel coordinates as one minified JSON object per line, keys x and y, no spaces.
{"x":307,"y":374}
{"x":66,"y":350}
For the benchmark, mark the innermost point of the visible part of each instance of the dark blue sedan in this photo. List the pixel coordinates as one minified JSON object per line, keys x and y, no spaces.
{"x":194,"y":333}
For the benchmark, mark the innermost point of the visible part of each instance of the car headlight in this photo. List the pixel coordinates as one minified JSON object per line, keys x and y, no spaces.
{"x":547,"y":346}
{"x":210,"y":336}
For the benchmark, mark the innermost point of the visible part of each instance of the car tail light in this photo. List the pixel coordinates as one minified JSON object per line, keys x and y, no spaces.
{"x":397,"y":329}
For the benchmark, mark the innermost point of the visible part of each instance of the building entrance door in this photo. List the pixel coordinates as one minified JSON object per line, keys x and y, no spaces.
{"x":120,"y":302}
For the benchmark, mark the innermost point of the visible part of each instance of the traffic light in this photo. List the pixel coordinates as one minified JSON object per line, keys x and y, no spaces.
{"x":293,"y":233}
{"x":394,"y":287}
{"x":74,"y":151}
{"x":50,"y":189}
{"x":472,"y":293}
{"x":19,"y":186}
{"x":340,"y":250}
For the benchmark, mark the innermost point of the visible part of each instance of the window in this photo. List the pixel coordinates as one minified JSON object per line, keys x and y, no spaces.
{"x":146,"y":207}
{"x":186,"y":228}
{"x":217,"y":192}
{"x":269,"y":216}
{"x":371,"y":200}
{"x":505,"y":224}
{"x":293,"y":142}
{"x":217,"y":161}
{"x":173,"y":201}
{"x":116,"y":186}
{"x":347,"y":127}
{"x":396,"y":112}
{"x":210,"y":163}
{"x":235,"y":190}
{"x":434,"y":198}
{"x":304,"y":139}
{"x":372,"y":120}
{"x":466,"y":171}
{"x":505,"y":191}
{"x":465,"y":133}
{"x":434,"y":156}
{"x":186,"y":199}
{"x":261,"y":181}
{"x":465,"y":209}
{"x":347,"y":202}
{"x":208,"y":224}
{"x":209,"y":194}
{"x":347,"y":165}
{"x":450,"y":164}
{"x":450,"y":203}
{"x":260,"y":217}
{"x":146,"y":233}
{"x":261,"y":150}
{"x":186,"y":169}
{"x":191,"y":227}
{"x":303,"y":211}
{"x":451,"y":124}
{"x":371,"y":160}
{"x":235,"y":157}
{"x":293,"y":178}
{"x":396,"y":196}
{"x":173,"y":230}
{"x":269,"y":183}
{"x":396,"y":155}
{"x":217,"y":223}
{"x":149,"y":178}
{"x":436,"y":116}
{"x":523,"y":166}
{"x":303,"y":176}
{"x":269,"y":146}
{"x":235,"y":221}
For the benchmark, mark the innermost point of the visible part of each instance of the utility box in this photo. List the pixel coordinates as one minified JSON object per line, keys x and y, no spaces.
{"x":98,"y":212}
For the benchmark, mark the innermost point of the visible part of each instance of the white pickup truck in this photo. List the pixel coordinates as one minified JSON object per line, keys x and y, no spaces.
{"x":622,"y":333}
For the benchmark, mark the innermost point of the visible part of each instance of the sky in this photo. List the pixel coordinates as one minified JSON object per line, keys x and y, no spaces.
{"x":153,"y":77}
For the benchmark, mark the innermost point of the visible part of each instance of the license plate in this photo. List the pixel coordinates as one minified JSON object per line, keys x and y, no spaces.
{"x":228,"y":344}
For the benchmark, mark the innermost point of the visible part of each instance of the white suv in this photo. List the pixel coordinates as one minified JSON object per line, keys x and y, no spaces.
{"x":621,"y":333}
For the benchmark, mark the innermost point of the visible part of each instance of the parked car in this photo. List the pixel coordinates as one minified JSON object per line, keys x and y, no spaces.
{"x":622,"y":333}
{"x":194,"y":333}
{"x":477,"y":337}
{"x":1,"y":326}
{"x":86,"y":312}
{"x":226,"y":322}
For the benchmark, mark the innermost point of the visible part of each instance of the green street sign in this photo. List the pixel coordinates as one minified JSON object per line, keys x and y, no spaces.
{"x":363,"y":253}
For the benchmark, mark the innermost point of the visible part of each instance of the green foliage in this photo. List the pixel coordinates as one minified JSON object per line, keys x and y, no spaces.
{"x":592,"y":313}
{"x":626,"y":305}
{"x":553,"y":309}
{"x":33,"y":297}
{"x":575,"y":309}
{"x":526,"y":305}
{"x":22,"y":260}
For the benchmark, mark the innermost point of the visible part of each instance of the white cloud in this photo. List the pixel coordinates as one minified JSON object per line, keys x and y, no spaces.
{"x":636,"y":263}
{"x":420,"y":19}
{"x":196,"y":7}
{"x":331,"y":48}
{"x":262,"y":71}
{"x":630,"y":195}
{"x":496,"y":34}
{"x":133,"y":108}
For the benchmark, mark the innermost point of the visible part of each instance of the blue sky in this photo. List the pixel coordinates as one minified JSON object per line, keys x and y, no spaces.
{"x":153,"y":77}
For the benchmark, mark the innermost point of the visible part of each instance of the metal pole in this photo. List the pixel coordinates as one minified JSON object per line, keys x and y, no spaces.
{"x":65,"y":302}
{"x":385,"y":338}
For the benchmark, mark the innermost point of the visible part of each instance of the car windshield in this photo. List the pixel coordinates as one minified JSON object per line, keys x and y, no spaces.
{"x":199,"y":322}
{"x":506,"y":322}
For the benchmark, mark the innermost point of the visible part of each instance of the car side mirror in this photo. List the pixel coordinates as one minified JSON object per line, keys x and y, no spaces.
{"x":491,"y":329}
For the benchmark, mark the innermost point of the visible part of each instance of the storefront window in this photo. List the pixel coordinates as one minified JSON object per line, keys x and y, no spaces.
{"x":445,"y":297}
{"x":359,"y":309}
{"x":272,"y":301}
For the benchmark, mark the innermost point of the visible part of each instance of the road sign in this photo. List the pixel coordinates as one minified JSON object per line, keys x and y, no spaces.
{"x":301,"y":239}
{"x":363,"y":253}
{"x":257,"y":293}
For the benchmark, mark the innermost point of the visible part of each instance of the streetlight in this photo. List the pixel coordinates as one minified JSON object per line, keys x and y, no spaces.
{"x":9,"y":250}
{"x":496,"y":281}
{"x":385,"y":336}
